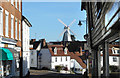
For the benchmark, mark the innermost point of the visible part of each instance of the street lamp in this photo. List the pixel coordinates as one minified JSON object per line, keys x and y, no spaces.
{"x":85,"y":37}
{"x":80,"y":23}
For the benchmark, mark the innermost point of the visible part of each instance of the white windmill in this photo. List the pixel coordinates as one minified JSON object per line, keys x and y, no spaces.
{"x":67,"y":30}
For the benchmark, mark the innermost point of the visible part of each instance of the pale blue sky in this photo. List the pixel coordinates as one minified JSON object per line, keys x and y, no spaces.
{"x":43,"y":17}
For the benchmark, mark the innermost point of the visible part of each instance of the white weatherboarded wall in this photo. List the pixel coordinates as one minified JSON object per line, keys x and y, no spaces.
{"x":26,"y":51}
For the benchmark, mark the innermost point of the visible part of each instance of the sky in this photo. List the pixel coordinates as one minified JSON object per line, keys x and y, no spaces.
{"x":44,"y":19}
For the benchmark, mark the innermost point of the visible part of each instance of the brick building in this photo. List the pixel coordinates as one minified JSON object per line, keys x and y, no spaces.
{"x":10,"y":36}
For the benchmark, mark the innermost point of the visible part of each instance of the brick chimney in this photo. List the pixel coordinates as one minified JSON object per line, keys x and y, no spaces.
{"x":32,"y":40}
{"x":81,"y":51}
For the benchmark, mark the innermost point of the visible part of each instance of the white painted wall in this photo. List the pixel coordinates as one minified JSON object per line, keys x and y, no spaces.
{"x":26,"y":51}
{"x":59,"y":62}
{"x":33,"y":58}
{"x":45,"y":58}
{"x":111,"y":62}
{"x":77,"y":67}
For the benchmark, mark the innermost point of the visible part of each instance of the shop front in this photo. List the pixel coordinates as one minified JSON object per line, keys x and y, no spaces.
{"x":6,"y":58}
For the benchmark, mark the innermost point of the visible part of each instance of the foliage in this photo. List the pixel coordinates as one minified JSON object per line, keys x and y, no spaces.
{"x":58,"y":68}
{"x":113,"y":68}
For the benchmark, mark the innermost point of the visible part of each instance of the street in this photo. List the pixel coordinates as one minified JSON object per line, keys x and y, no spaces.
{"x":51,"y":74}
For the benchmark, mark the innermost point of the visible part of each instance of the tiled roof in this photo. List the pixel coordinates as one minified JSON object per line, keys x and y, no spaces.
{"x":78,"y":59}
{"x":60,"y":52}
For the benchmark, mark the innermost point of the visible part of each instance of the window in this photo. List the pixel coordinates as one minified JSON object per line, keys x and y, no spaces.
{"x":12,"y":2}
{"x":19,"y":31}
{"x":19,"y":5}
{"x":118,"y":51}
{"x":16,"y":3}
{"x":31,"y":61}
{"x":61,"y":59}
{"x":99,"y":9}
{"x":55,"y":50}
{"x":114,"y":59}
{"x":66,"y":58}
{"x":65,"y":51}
{"x":16,"y":28}
{"x":6,"y":23}
{"x":56,"y":59}
{"x":32,"y":53}
{"x":1,"y":21}
{"x":12,"y":26}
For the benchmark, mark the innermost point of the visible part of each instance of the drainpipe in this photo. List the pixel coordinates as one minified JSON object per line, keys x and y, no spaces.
{"x":21,"y":54}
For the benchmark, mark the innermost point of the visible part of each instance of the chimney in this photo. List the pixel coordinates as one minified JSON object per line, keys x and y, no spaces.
{"x":33,"y":40}
{"x":81,"y":51}
{"x":44,"y":42}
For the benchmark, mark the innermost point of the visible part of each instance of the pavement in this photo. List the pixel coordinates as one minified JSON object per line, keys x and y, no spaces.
{"x":51,"y":74}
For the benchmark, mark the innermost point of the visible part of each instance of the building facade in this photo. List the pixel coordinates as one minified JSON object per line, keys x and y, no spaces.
{"x":10,"y":36}
{"x":103,"y":30}
{"x":26,"y":41}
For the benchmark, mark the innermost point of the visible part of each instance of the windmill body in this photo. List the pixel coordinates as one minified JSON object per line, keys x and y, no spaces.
{"x":66,"y":33}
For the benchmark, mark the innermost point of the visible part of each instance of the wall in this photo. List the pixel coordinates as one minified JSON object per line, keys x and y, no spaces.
{"x":45,"y":58}
{"x":26,"y":51}
{"x":111,"y":62}
{"x":33,"y":58}
{"x":59,"y":62}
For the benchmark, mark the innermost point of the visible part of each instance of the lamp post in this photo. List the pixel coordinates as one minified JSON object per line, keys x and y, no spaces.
{"x":85,"y":37}
{"x":80,"y":23}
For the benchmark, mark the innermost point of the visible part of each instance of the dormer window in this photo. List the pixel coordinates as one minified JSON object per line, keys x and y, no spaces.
{"x":65,"y":50}
{"x":55,"y":50}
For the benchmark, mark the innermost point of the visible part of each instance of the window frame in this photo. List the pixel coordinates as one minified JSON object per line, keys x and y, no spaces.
{"x":12,"y":26}
{"x":6,"y":24}
{"x":114,"y":59}
{"x":1,"y":11}
{"x":16,"y":25}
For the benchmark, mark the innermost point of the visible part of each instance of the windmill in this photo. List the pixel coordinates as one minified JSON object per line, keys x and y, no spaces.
{"x":67,"y":30}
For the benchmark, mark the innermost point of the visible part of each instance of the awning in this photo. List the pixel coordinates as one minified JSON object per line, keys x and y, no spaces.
{"x":5,"y":54}
{"x":14,"y":52}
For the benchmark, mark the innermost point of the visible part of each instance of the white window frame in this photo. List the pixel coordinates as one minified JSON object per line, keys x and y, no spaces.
{"x":20,"y":5}
{"x":6,"y":24}
{"x":12,"y":2}
{"x":16,"y":4}
{"x":16,"y":28}
{"x":55,"y":50}
{"x":19,"y":30}
{"x":1,"y":29}
{"x":65,"y":51}
{"x":12,"y":26}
